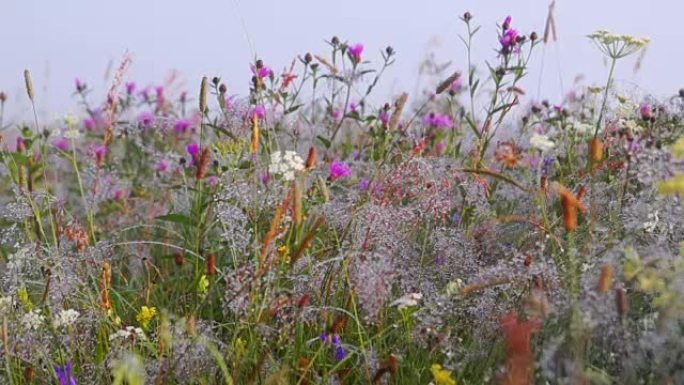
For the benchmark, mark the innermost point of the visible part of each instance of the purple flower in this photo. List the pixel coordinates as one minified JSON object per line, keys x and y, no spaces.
{"x":645,"y":112}
{"x":340,"y":353}
{"x":259,"y":111}
{"x":181,"y":126}
{"x":339,"y":170}
{"x":384,"y":117}
{"x":64,"y":374}
{"x":546,"y":166}
{"x":162,"y":166}
{"x":438,"y":120}
{"x":100,"y":151}
{"x":355,"y":52}
{"x":212,"y":180}
{"x":90,"y":124}
{"x":363,"y":184}
{"x":80,"y":86}
{"x":508,"y":38}
{"x":146,"y":119}
{"x":456,"y":218}
{"x":130,"y":88}
{"x":193,"y":149}
{"x":261,"y":72}
{"x":324,"y":337}
{"x":117,"y":194}
{"x":456,"y":86}
{"x":61,"y":144}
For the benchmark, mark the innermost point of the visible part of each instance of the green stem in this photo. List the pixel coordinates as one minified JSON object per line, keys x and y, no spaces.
{"x":605,"y":97}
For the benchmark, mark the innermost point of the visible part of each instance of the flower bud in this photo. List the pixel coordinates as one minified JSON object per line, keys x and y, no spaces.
{"x":223,"y":89}
{"x":467,"y":16}
{"x":389,"y":50}
{"x":533,"y":36}
{"x":308,"y":58}
{"x":3,"y":97}
{"x":335,"y":41}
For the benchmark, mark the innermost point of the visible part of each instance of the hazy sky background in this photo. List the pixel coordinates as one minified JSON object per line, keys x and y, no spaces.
{"x":61,"y":40}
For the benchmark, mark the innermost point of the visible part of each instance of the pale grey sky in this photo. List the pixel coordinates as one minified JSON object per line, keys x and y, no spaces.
{"x":61,"y":40}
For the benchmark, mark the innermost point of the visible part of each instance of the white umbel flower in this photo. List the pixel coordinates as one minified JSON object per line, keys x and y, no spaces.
{"x":128,"y":331}
{"x":66,"y":318}
{"x":72,"y":134}
{"x":32,"y":320}
{"x":285,"y":164}
{"x":408,"y":300}
{"x":542,"y":142}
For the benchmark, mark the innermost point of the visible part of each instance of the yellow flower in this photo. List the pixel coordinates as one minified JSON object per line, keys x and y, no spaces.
{"x":203,"y":285}
{"x":284,"y":253}
{"x":678,"y":148}
{"x":672,"y":186}
{"x":146,"y":315}
{"x":22,"y":293}
{"x":441,"y":375}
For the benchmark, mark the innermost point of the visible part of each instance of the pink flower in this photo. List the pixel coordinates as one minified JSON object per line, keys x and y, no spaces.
{"x":61,"y":144}
{"x":181,"y":126}
{"x":21,"y":145}
{"x":80,"y":86}
{"x":117,"y":194}
{"x":261,"y":71}
{"x":384,"y":117}
{"x":355,"y":52}
{"x":89,"y":124}
{"x":193,"y":149}
{"x":130,"y":88}
{"x":438,"y":120}
{"x":339,"y":170}
{"x":212,"y":180}
{"x":100,"y":151}
{"x":645,"y":112}
{"x":162,"y":166}
{"x":146,"y":119}
{"x":259,"y":111}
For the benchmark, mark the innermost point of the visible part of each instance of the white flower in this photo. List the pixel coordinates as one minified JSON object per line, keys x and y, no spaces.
{"x":5,"y":305}
{"x":542,"y":142}
{"x":32,"y":320}
{"x":72,"y":134}
{"x":128,"y":331}
{"x":285,"y":164}
{"x":66,"y":318}
{"x":409,"y":300}
{"x":651,"y":225}
{"x":584,"y":128}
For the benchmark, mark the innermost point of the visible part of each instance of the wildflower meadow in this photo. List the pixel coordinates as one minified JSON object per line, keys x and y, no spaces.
{"x":299,"y":232}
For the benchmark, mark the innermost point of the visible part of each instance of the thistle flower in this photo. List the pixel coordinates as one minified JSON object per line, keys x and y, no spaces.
{"x":130,"y":88}
{"x":438,"y":120}
{"x":61,"y":144}
{"x":162,"y":165}
{"x":509,"y":37}
{"x":645,"y":112}
{"x":64,"y":375}
{"x":339,"y":170}
{"x":193,"y":149}
{"x":259,"y":111}
{"x":355,"y":52}
{"x":145,"y":316}
{"x":100,"y":151}
{"x":146,"y":119}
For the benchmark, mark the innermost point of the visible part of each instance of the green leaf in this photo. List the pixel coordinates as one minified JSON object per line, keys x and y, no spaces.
{"x":177,"y":218}
{"x":323,"y":140}
{"x":293,"y":109}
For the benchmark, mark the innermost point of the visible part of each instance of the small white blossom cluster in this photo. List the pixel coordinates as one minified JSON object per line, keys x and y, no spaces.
{"x":72,"y":134}
{"x":65,"y":318}
{"x":542,"y":142}
{"x":285,"y":164}
{"x":32,"y":320}
{"x":408,"y":300}
{"x":127,"y":332}
{"x":5,"y":305}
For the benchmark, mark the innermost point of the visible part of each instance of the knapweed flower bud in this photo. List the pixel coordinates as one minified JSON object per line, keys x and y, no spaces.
{"x":533,"y":36}
{"x":335,"y":41}
{"x":29,"y":84}
{"x":223,"y":89}
{"x":259,"y":64}
{"x":215,"y":80}
{"x":308,"y":58}
{"x":211,"y":264}
{"x":203,"y":95}
{"x":389,"y":50}
{"x":681,"y":93}
{"x":3,"y":97}
{"x":467,"y":16}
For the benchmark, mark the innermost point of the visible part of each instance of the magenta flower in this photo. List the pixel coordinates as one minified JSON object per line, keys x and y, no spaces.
{"x":21,"y":145}
{"x":259,"y":111}
{"x":64,"y":375}
{"x":364,"y":184}
{"x":80,"y":86}
{"x":61,"y":144}
{"x":508,"y":38}
{"x":339,"y":170}
{"x":89,"y":124}
{"x":384,"y":117}
{"x":355,"y":52}
{"x":193,"y":149}
{"x":212,"y":180}
{"x":117,"y":194}
{"x":438,"y":120}
{"x":130,"y":88}
{"x":100,"y":151}
{"x":162,"y":166}
{"x":261,"y":72}
{"x":181,"y":126}
{"x":645,"y":112}
{"x":146,"y":119}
